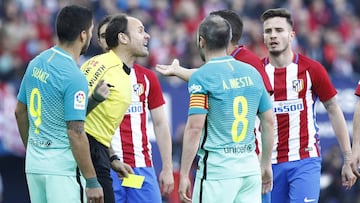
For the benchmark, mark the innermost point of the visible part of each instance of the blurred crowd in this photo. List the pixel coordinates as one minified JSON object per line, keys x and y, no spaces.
{"x":327,"y":31}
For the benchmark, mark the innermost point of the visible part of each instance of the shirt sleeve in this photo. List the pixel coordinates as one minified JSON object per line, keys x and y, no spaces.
{"x":265,"y":102}
{"x":75,"y":98}
{"x":198,"y":95}
{"x":321,"y":83}
{"x":156,"y":97}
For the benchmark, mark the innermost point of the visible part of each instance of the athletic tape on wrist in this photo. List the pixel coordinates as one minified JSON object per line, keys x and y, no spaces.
{"x":92,"y":183}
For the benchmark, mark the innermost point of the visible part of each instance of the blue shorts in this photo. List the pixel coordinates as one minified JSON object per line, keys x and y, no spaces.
{"x":149,"y":192}
{"x":297,"y":181}
{"x":266,"y":198}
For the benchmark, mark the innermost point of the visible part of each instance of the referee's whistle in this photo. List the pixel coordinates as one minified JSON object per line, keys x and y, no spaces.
{"x":110,"y":85}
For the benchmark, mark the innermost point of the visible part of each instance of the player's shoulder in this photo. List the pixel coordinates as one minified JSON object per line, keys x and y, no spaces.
{"x":42,"y":56}
{"x":142,"y":70}
{"x":104,"y":58}
{"x":245,"y":66}
{"x":302,"y":59}
{"x":246,"y":55}
{"x":98,"y":57}
{"x":248,"y":52}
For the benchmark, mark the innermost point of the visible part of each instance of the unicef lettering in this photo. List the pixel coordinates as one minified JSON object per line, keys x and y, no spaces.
{"x":239,"y":149}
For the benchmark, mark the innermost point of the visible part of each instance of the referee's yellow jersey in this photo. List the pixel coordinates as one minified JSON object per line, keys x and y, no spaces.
{"x":102,"y":121}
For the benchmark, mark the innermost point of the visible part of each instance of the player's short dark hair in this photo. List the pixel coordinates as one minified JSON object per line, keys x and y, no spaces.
{"x":118,"y":24}
{"x":71,"y":21}
{"x":235,"y":21}
{"x":278,"y":12}
{"x":103,"y":22}
{"x":216,"y":31}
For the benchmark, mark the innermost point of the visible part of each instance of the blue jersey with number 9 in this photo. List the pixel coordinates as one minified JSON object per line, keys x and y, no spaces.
{"x":54,"y":91}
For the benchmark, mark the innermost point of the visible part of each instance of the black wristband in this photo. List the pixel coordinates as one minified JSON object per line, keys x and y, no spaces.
{"x":114,"y":157}
{"x":93,"y":97}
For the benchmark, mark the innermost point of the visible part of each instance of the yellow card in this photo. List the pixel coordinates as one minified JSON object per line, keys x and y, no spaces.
{"x":133,"y":181}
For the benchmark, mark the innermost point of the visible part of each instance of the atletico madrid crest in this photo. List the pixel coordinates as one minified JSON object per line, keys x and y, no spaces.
{"x":298,"y":85}
{"x":138,"y":89}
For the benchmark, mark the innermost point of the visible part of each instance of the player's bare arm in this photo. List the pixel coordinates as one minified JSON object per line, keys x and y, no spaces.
{"x":80,"y":147}
{"x":22,"y":122}
{"x":122,"y":169}
{"x":163,"y":139}
{"x":337,"y":120}
{"x":175,"y":70}
{"x":81,"y":151}
{"x":267,"y":138}
{"x":356,"y":139}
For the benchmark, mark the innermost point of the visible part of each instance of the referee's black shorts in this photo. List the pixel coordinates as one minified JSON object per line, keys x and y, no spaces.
{"x":101,"y":162}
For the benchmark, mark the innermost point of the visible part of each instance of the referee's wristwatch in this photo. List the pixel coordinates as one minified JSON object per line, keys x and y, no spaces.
{"x":113,"y":158}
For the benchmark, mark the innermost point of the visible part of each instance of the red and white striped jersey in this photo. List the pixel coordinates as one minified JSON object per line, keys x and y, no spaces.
{"x":296,"y":89}
{"x":245,"y":55}
{"x":357,"y":91}
{"x":130,"y":141}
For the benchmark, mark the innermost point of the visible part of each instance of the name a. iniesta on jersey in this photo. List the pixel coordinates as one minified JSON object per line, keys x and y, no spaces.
{"x":40,"y":74}
{"x":235,"y":83}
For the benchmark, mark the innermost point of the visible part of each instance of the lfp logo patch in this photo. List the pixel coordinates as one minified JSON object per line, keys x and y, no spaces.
{"x":79,"y":100}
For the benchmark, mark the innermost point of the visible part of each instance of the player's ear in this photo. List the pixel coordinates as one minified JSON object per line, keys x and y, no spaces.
{"x":123,"y":38}
{"x":292,"y":34}
{"x":83,"y":36}
{"x":201,"y":42}
{"x":199,"y":38}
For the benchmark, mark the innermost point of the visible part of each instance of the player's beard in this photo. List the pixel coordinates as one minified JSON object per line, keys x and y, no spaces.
{"x":279,"y":52}
{"x":86,"y":46}
{"x":84,"y":49}
{"x":202,"y":55}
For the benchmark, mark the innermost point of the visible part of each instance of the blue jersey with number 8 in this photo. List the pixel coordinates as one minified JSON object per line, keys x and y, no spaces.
{"x":231,"y":93}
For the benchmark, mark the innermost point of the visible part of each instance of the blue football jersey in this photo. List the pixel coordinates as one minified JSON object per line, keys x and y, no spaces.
{"x":54,"y":91}
{"x":230,"y":93}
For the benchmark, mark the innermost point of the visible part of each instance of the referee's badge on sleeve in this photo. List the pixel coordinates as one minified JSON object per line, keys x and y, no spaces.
{"x":79,"y":100}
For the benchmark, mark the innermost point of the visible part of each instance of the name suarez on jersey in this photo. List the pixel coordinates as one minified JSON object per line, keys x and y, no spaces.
{"x":281,"y":107}
{"x":40,"y":74}
{"x":235,"y":83}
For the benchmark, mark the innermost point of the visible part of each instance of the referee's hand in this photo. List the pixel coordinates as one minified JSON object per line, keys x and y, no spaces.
{"x":122,"y":169}
{"x":101,"y":91}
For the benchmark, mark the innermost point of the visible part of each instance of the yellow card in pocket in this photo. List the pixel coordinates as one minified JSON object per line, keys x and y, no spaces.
{"x":133,"y":181}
